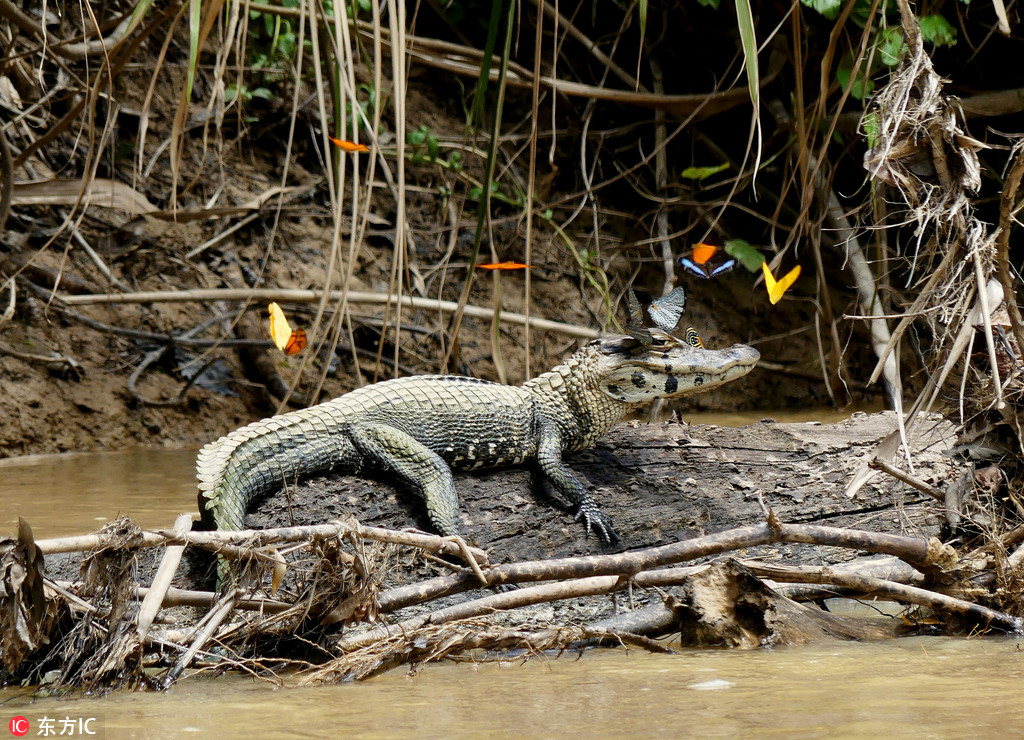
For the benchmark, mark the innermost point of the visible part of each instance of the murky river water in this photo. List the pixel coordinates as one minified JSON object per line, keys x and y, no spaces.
{"x":920,"y":687}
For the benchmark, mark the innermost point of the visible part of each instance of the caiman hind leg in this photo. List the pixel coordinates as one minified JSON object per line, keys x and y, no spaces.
{"x":417,"y":467}
{"x":549,"y":459}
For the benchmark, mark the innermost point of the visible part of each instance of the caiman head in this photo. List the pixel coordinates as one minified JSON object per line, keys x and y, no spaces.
{"x":634,"y":373}
{"x":609,"y":377}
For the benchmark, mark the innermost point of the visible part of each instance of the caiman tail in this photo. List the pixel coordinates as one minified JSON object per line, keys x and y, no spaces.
{"x":265,"y":456}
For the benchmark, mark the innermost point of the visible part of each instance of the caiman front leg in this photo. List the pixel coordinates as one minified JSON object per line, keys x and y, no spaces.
{"x":417,"y":466}
{"x":549,"y":459}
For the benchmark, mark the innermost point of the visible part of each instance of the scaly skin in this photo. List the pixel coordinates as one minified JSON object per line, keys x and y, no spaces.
{"x":421,"y":428}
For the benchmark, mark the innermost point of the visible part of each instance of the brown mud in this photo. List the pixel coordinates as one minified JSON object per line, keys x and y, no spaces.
{"x":65,"y":382}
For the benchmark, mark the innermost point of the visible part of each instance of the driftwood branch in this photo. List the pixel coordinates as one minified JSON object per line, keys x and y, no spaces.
{"x":217,"y":541}
{"x":917,"y":551}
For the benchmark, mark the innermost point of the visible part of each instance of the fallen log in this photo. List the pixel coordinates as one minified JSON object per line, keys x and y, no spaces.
{"x":662,"y":483}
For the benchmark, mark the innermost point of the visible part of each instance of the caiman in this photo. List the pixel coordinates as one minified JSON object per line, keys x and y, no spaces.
{"x":421,"y":428}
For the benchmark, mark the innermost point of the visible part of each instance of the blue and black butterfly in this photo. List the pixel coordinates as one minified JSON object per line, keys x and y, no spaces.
{"x":699,"y":263}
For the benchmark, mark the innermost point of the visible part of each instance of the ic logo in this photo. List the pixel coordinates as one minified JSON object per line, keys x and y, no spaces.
{"x":18,"y":726}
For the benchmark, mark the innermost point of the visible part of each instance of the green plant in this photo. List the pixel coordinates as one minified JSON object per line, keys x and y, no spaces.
{"x":516,"y":201}
{"x":426,"y":149}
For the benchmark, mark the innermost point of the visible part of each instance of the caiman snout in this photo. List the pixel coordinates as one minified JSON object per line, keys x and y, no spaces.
{"x":713,"y":367}
{"x":743,"y":355}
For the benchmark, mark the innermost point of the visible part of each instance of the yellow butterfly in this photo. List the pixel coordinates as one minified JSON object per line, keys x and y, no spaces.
{"x":288,"y":340}
{"x":777,"y":288}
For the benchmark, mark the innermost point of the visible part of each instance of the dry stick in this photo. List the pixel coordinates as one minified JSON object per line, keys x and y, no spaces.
{"x":986,"y":316}
{"x":1006,"y":211}
{"x":486,"y":605}
{"x":94,"y":256}
{"x":68,"y":50}
{"x":675,"y":576}
{"x":895,"y":591}
{"x":204,"y":631}
{"x":154,"y":598}
{"x":182,"y":597}
{"x":221,"y":541}
{"x":187,"y":597}
{"x":910,"y":480}
{"x":589,"y":45}
{"x":312,"y":296}
{"x":661,"y":182}
{"x":917,"y":551}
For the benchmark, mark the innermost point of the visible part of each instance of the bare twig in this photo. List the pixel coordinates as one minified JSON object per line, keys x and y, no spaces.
{"x":880,"y":464}
{"x":162,"y":580}
{"x":312,"y":296}
{"x":889,"y":590}
{"x":203,"y":634}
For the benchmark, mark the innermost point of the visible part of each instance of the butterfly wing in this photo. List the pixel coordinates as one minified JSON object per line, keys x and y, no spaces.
{"x":288,"y":340}
{"x":296,"y":342}
{"x":280,"y":329}
{"x":691,"y":266}
{"x":348,"y":146}
{"x":703,"y":252}
{"x":723,"y":268}
{"x":504,"y":266}
{"x":635,"y":325}
{"x":778,"y":288}
{"x":692,"y":338}
{"x":667,"y":310}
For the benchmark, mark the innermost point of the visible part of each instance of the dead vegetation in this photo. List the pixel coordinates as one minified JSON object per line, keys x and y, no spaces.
{"x":332,"y":619}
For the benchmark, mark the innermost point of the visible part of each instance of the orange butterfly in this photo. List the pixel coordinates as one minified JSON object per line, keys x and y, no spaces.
{"x":505,"y":266}
{"x":348,"y":146}
{"x":777,"y":288}
{"x":288,"y":340}
{"x":703,"y":252}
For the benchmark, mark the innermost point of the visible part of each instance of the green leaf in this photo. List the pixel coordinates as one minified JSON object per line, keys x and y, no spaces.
{"x":936,"y":30}
{"x":871,"y":128}
{"x":745,"y":25}
{"x":194,"y":19}
{"x":860,"y":87}
{"x":748,"y":255}
{"x":828,"y":8}
{"x":643,"y":21}
{"x":891,"y":46}
{"x":701,"y":173}
{"x":713,"y":4}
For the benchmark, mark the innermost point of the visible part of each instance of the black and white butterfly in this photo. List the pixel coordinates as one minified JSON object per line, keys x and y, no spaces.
{"x":665,"y":312}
